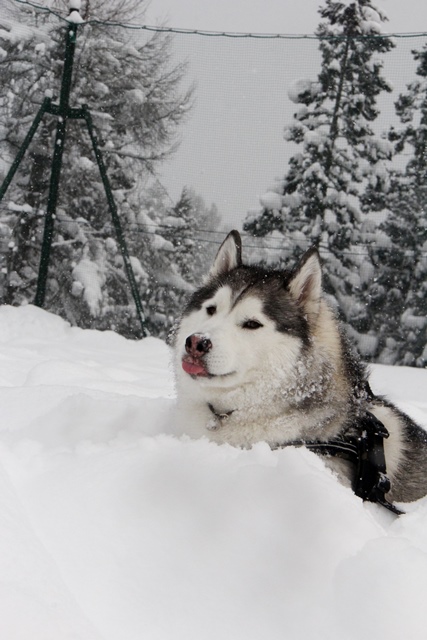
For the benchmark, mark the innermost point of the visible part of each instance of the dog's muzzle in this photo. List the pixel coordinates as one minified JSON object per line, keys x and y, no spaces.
{"x":196,"y":347}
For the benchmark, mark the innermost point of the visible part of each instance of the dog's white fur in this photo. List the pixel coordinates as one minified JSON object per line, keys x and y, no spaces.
{"x":260,"y":380}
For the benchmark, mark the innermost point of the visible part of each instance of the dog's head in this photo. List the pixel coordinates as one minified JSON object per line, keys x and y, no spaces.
{"x":246,"y":321}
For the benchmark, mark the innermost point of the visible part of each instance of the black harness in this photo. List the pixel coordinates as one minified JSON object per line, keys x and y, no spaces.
{"x":364,"y":451}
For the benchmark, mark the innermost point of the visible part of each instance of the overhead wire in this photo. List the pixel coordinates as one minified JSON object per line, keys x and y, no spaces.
{"x":152,"y":229}
{"x":224,"y":34}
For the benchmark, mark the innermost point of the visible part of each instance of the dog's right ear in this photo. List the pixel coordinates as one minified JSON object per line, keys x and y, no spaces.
{"x":229,"y":255}
{"x":305,"y":284}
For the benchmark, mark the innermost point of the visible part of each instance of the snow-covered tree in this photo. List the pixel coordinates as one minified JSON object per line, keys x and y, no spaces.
{"x":134,"y":93}
{"x":319,"y":199}
{"x":173,"y":255}
{"x":192,"y":235}
{"x":400,"y":292}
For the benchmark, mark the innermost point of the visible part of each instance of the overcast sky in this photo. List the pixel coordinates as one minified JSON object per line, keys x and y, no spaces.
{"x":273,"y":16}
{"x":232,"y":147}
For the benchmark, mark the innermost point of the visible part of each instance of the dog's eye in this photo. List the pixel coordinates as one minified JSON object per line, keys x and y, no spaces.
{"x":252,"y":324}
{"x":211,"y":310}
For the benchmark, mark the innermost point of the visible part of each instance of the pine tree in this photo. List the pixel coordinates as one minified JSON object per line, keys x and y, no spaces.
{"x":401,"y":289}
{"x":319,"y":199}
{"x":134,"y":93}
{"x":190,"y":232}
{"x":165,"y":288}
{"x":208,"y":233}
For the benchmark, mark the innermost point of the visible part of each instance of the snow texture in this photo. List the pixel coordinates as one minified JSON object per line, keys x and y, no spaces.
{"x":113,"y":527}
{"x":91,"y":280}
{"x":75,"y":17}
{"x":271,"y":200}
{"x":301,"y":88}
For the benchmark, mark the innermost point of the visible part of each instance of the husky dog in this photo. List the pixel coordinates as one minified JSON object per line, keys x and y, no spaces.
{"x":260,"y":356}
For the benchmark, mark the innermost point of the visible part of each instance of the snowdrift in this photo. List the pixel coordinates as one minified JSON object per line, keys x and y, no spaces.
{"x":111,"y":527}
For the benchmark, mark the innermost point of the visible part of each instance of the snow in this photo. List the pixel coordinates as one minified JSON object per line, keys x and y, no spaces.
{"x":173,"y":279}
{"x":175,"y":222}
{"x":90,"y":279}
{"x":334,"y":65}
{"x":366,"y":272}
{"x":411,"y":321}
{"x":136,"y":95}
{"x":303,"y":87}
{"x":112,"y":526}
{"x":137,"y":268}
{"x":85,"y":163}
{"x":161,"y":244}
{"x":75,"y":17}
{"x":271,"y":200}
{"x":24,"y":208}
{"x":367,"y":344}
{"x":16,"y":32}
{"x":314,"y":138}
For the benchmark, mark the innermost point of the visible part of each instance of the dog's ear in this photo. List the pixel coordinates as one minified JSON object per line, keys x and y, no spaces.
{"x":229,"y":255}
{"x":305,"y":284}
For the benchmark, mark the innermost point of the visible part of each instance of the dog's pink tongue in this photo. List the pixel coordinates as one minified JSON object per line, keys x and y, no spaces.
{"x":194,"y":368}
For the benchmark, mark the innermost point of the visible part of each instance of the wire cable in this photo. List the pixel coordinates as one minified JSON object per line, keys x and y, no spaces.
{"x":223,"y":34}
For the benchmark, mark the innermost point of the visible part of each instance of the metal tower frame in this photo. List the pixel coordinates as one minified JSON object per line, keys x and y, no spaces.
{"x":64,"y":112}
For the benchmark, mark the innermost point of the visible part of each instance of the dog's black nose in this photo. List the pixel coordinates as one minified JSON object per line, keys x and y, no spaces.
{"x":197,"y":345}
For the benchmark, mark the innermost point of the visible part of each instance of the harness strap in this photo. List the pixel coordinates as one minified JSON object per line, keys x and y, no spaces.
{"x":366,"y":453}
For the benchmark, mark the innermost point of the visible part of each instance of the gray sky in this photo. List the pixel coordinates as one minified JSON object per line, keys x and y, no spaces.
{"x":232,"y":146}
{"x":272,"y":16}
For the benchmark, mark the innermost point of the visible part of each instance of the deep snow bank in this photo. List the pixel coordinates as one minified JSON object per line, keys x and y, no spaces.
{"x":111,"y":527}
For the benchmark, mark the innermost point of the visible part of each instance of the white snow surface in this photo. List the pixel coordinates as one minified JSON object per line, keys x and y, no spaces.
{"x":114,"y":527}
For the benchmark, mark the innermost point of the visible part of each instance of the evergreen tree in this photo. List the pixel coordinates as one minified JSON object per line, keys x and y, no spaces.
{"x":172,"y":250}
{"x":165,"y":288}
{"x":134,"y":93}
{"x":401,"y":289}
{"x":319,"y":199}
{"x":209,"y":235}
{"x":192,"y":236}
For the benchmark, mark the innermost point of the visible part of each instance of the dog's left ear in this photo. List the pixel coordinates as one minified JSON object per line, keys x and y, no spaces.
{"x":229,"y":255}
{"x":305,"y":284}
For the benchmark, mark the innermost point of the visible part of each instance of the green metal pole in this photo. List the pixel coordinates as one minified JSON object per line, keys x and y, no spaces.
{"x":24,"y":146}
{"x":116,"y":220}
{"x":62,"y":113}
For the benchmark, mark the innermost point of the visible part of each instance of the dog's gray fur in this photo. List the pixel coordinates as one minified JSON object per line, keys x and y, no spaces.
{"x":260,"y":356}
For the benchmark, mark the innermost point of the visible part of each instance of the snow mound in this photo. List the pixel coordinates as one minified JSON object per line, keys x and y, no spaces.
{"x":112,"y":527}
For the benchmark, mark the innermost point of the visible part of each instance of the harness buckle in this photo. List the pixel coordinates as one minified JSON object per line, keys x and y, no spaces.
{"x":371,"y":482}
